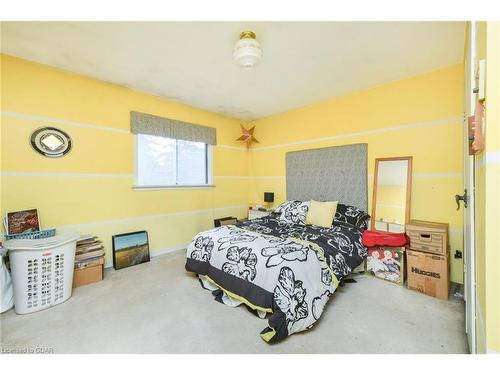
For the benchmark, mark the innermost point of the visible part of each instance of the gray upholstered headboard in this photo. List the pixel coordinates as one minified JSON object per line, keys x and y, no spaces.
{"x":329,"y":174}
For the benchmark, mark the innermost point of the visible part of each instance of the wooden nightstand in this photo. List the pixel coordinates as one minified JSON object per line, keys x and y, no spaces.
{"x":255,"y":214}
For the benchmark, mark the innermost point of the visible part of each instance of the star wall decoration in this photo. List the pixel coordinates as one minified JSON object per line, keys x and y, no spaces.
{"x":247,"y":136}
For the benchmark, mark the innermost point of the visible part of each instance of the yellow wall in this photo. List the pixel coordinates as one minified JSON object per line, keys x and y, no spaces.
{"x":419,"y":116}
{"x":492,"y":187}
{"x":90,"y":189}
{"x":488,"y":200}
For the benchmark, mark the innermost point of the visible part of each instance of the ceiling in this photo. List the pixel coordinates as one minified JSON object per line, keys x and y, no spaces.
{"x":191,"y":62}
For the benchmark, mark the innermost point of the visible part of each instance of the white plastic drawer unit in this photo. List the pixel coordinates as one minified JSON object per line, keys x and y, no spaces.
{"x":42,"y":271}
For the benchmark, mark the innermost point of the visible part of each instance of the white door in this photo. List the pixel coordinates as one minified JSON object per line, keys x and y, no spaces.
{"x":469,"y":240}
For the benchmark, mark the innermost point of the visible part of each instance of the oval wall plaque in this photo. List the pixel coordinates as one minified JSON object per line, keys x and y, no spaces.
{"x":51,"y":142}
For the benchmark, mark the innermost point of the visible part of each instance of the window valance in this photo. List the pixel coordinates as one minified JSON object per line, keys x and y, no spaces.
{"x":143,"y":123}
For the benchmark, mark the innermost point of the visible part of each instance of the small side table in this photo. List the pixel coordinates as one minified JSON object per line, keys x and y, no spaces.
{"x":255,"y":214}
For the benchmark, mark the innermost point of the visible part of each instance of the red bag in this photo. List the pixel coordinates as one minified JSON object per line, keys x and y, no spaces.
{"x":373,"y":238}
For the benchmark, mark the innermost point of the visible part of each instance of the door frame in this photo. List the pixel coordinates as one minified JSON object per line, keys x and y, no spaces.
{"x":470,"y":295}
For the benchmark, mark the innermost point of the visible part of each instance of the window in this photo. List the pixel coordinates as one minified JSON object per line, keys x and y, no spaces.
{"x":166,"y":162}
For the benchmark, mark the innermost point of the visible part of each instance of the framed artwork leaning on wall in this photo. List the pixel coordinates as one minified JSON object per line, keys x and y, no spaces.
{"x":130,"y":249}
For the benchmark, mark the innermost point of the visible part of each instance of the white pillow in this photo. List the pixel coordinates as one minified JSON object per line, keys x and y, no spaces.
{"x":293,"y":212}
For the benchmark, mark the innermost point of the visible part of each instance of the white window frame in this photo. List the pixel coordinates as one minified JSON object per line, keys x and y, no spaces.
{"x":208,"y":185}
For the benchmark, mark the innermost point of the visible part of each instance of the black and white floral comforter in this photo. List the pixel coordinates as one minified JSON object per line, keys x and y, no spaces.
{"x":286,"y":270}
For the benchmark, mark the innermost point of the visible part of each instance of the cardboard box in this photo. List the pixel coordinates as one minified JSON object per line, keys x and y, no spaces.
{"x":229,"y":220}
{"x":428,"y":236}
{"x":387,"y":263}
{"x":428,"y":273}
{"x":88,"y":275}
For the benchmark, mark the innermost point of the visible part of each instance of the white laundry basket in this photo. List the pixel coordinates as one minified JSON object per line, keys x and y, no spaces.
{"x":6,"y":293}
{"x":42,"y":271}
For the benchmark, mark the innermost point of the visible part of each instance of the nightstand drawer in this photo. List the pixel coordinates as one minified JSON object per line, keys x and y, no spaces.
{"x":255,"y":214}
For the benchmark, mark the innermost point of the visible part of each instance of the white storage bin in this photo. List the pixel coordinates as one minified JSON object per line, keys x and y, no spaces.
{"x":42,"y":271}
{"x":6,"y":293}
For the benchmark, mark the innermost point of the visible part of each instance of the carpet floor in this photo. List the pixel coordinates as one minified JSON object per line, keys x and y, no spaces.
{"x":158,"y":307}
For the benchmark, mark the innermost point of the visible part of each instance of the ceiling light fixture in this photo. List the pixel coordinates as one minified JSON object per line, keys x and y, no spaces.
{"x":247,"y":52}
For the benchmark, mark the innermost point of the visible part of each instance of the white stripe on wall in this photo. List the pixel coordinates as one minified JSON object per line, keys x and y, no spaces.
{"x":452,"y":120}
{"x":157,"y":216}
{"x":431,"y":175}
{"x":237,"y":148}
{"x":148,"y":217}
{"x":490,"y":157}
{"x":456,"y":230}
{"x":130,"y":175}
{"x":251,"y":177}
{"x":448,"y":121}
{"x":67,"y":174}
{"x":269,"y":177}
{"x":233,"y":177}
{"x":438,"y":175}
{"x":370,"y":175}
{"x":113,"y":175}
{"x":26,"y":116}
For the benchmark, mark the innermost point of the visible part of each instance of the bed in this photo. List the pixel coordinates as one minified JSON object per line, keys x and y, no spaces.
{"x":276,"y":265}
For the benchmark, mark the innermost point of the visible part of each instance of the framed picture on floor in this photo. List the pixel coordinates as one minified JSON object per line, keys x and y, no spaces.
{"x":22,"y":222}
{"x":130,"y":249}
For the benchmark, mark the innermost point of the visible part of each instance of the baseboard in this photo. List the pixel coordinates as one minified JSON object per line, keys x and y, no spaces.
{"x":457,"y":290}
{"x":480,"y":330}
{"x":158,"y":253}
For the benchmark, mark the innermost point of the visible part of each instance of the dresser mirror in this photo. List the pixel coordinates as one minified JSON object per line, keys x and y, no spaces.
{"x":391,"y":194}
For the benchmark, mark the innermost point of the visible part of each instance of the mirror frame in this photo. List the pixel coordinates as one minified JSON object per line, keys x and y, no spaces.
{"x":408,"y":187}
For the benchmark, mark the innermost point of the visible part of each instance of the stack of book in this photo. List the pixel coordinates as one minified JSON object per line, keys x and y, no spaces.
{"x":89,"y":252}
